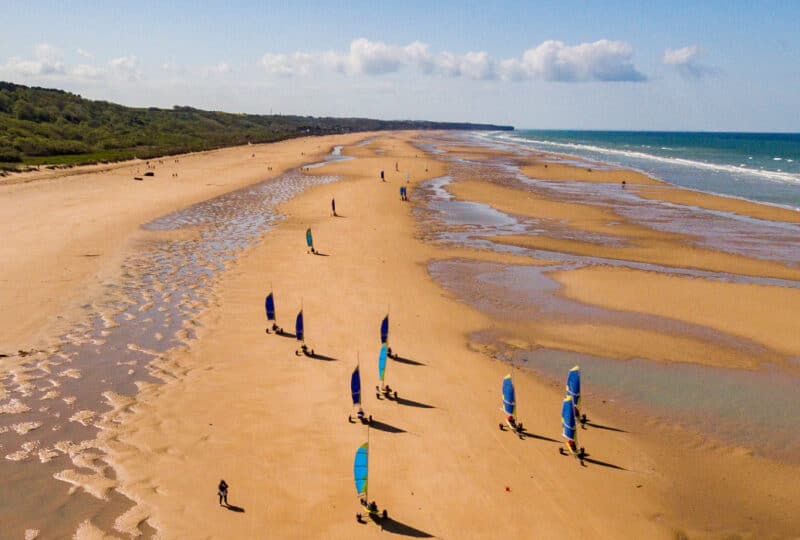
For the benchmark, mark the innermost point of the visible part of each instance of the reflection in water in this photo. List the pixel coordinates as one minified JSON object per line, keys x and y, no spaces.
{"x":756,"y":409}
{"x":154,"y":308}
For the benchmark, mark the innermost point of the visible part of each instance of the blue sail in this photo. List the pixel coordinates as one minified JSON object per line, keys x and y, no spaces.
{"x":568,"y":419}
{"x":509,"y":397}
{"x":385,"y":330}
{"x":309,"y":238}
{"x":361,"y":469}
{"x":355,"y":386}
{"x":382,"y":362}
{"x":298,"y":326}
{"x":269,"y":305}
{"x":574,"y":385}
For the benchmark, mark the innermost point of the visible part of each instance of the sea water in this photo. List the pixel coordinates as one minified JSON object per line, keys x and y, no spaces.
{"x":762,"y":167}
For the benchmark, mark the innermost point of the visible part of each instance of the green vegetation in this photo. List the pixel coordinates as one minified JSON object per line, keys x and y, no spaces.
{"x":40,"y":126}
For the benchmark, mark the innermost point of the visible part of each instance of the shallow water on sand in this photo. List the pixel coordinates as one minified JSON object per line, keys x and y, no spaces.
{"x":723,"y":231}
{"x":52,"y":410}
{"x":755,"y":409}
{"x":445,"y":219}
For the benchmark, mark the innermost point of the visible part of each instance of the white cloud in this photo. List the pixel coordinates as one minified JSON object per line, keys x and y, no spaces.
{"x":448,"y":64}
{"x":374,"y":57}
{"x":46,"y":61}
{"x":289,"y":65}
{"x":126,"y":66}
{"x":84,"y":53}
{"x":685,"y":60}
{"x":477,"y":65}
{"x":602,"y":60}
{"x":685,"y":55}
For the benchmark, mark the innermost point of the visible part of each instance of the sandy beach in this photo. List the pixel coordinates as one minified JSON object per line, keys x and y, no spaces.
{"x":227,"y":400}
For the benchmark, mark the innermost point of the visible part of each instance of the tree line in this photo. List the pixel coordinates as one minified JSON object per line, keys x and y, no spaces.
{"x":41,"y":126}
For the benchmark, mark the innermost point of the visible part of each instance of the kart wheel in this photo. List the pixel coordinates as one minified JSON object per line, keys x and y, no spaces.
{"x":502,"y":427}
{"x":378,"y":395}
{"x":370,"y":419}
{"x":520,"y":428}
{"x":561,"y":451}
{"x":358,"y":518}
{"x":395,"y":396}
{"x":385,"y":514}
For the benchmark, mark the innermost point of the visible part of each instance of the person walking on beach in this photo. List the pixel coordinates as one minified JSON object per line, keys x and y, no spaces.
{"x":333,"y":206}
{"x":382,"y":177}
{"x":222,"y":491}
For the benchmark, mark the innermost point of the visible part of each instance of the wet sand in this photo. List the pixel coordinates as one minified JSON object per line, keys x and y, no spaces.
{"x":55,"y":395}
{"x":66,"y":232}
{"x":225,"y":400}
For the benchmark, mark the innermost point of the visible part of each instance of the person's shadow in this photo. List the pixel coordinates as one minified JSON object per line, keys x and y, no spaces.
{"x":234,"y":508}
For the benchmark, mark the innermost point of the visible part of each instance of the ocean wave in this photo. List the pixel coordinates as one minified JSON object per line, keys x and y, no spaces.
{"x":779,"y":176}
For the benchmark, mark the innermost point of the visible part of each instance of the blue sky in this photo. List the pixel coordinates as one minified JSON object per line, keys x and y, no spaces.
{"x":572,"y":65}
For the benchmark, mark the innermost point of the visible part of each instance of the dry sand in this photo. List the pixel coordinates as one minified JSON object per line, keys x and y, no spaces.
{"x":557,"y":172}
{"x":240,"y":405}
{"x":762,"y":314}
{"x":273,"y":424}
{"x":65,"y":232}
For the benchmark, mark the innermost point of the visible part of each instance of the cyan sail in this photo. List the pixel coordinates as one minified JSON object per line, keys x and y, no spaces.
{"x":385,"y":330}
{"x":309,"y":238}
{"x":269,"y":305}
{"x":298,"y":326}
{"x":509,"y":397}
{"x":361,"y":469}
{"x":568,"y":419}
{"x":382,"y":362}
{"x":574,"y":385}
{"x":355,"y":386}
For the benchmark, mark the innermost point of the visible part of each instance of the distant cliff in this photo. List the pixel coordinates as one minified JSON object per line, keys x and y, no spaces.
{"x":46,"y":126}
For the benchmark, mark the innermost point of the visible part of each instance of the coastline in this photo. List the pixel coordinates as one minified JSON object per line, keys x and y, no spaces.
{"x":683,"y":162}
{"x":238,"y":404}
